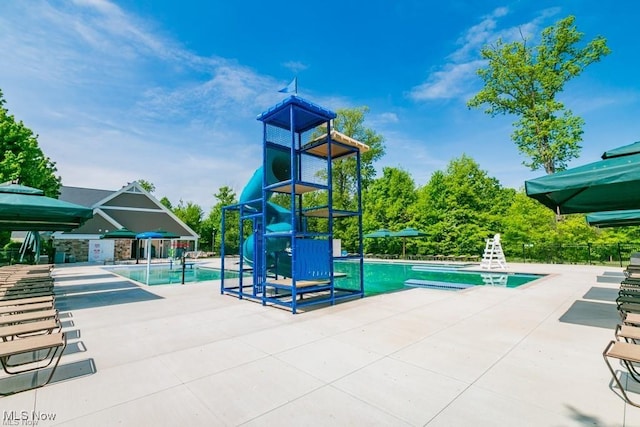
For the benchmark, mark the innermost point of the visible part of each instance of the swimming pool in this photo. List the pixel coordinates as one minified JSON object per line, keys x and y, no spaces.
{"x":381,"y":277}
{"x":163,"y":274}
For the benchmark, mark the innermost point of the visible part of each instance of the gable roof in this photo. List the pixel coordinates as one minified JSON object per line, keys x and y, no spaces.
{"x":131,"y":207}
{"x":83,"y":196}
{"x":99,"y":224}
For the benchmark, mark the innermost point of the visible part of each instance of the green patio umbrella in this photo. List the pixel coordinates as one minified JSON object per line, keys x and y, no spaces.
{"x":614,"y":218}
{"x":122,"y":233}
{"x":25,"y":208}
{"x":407,"y":232}
{"x":610,"y":184}
{"x":383,"y":232}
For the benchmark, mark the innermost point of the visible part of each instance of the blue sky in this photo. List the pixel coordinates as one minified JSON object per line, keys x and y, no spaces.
{"x":169,"y":91}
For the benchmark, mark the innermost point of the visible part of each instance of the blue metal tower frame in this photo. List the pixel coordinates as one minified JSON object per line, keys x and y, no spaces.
{"x":302,"y":131}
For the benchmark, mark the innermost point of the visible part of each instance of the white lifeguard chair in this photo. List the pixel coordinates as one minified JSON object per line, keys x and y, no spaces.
{"x":493,"y":256}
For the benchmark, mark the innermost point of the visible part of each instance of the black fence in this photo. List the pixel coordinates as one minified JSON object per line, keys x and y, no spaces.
{"x":587,"y":253}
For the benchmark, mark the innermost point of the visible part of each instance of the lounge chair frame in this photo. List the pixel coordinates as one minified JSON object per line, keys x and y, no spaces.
{"x":628,"y":354}
{"x":54,"y":343}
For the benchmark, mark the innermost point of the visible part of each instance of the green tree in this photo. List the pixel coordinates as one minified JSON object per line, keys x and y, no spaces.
{"x":189,"y":213}
{"x":527,"y":221}
{"x":460,"y":208}
{"x":574,"y":229}
{"x":147,"y":185}
{"x":388,"y":204}
{"x":225,"y":197}
{"x":166,"y":203}
{"x":533,"y":231}
{"x":350,"y":121}
{"x":527,"y":224}
{"x":524,"y":80}
{"x":22,"y":159}
{"x":620,"y":234}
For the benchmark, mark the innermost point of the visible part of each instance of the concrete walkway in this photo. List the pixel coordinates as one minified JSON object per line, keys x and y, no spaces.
{"x":186,"y":355}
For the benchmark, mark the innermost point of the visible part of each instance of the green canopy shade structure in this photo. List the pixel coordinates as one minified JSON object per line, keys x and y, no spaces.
{"x":625,"y":150}
{"x":28,"y":209}
{"x":607,"y":185}
{"x":614,"y":218}
{"x":407,"y":232}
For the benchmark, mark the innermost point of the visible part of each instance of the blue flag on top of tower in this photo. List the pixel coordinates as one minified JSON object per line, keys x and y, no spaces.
{"x":291,"y":87}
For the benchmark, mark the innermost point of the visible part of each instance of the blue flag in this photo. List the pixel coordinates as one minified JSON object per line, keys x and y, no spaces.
{"x":291,"y":87}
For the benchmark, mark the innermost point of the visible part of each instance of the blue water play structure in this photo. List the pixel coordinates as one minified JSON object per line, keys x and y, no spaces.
{"x":277,"y":218}
{"x":289,"y":246}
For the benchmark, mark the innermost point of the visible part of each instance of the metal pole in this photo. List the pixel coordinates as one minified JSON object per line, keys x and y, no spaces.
{"x":183,"y":265}
{"x":620,"y":254}
{"x":148,"y":249}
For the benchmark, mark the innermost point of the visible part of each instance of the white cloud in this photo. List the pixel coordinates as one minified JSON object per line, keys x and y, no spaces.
{"x":389,"y":117}
{"x":114,"y":100}
{"x":421,"y":161}
{"x":377,"y":120}
{"x":478,"y":35}
{"x":295,"y":66}
{"x":451,"y":82}
{"x":455,"y":78}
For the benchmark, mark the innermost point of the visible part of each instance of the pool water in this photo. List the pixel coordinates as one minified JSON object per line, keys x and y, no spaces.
{"x":379,"y":277}
{"x":164,"y":275}
{"x":389,"y":277}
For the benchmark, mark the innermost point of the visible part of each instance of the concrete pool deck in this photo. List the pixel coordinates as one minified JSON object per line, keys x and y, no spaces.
{"x":186,"y":355}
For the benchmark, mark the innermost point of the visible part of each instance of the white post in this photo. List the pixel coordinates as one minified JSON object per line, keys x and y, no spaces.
{"x":148,"y":259}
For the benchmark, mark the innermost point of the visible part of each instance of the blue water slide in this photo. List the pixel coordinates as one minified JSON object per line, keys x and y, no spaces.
{"x":278,"y":219}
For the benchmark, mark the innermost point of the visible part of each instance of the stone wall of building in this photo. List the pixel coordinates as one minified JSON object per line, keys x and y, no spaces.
{"x":77,"y":250}
{"x":122,"y":249}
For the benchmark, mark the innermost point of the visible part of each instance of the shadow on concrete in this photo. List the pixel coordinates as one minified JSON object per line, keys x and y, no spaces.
{"x":601,"y":294}
{"x":103,"y":299}
{"x":93,"y":287}
{"x":75,"y":277}
{"x":29,"y":380}
{"x":591,"y":313}
{"x":613,"y":273}
{"x":584,"y":419}
{"x":632,"y":387}
{"x":610,"y":278}
{"x":72,"y":334}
